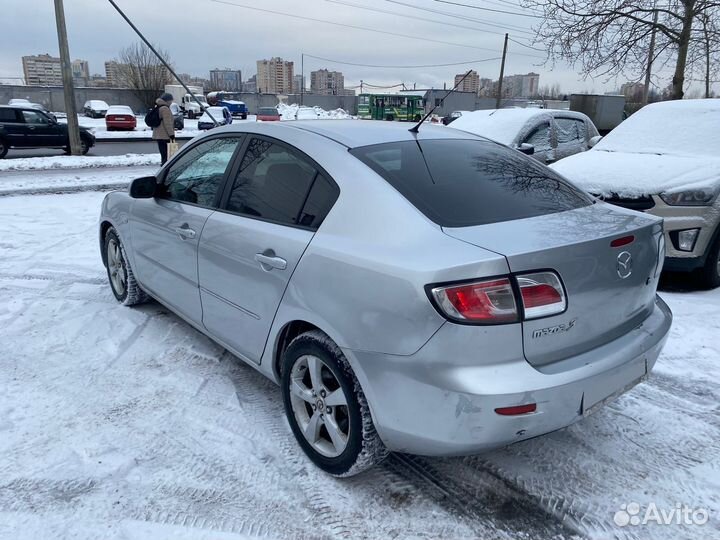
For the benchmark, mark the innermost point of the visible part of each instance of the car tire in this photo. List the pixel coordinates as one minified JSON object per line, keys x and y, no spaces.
{"x":356,"y":445}
{"x":3,"y":148}
{"x":122,"y":280}
{"x":84,"y":146}
{"x":710,"y":273}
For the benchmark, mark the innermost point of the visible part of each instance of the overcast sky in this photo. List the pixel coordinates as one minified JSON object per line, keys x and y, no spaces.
{"x":203,"y":34}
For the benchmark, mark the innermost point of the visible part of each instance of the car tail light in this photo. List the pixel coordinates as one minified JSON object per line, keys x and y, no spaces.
{"x":491,"y":301}
{"x":542,"y":294}
{"x":517,"y":410}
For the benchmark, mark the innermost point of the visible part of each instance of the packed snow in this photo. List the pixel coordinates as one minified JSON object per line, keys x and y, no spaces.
{"x":141,"y":132}
{"x":71,"y":180}
{"x":78,"y":162}
{"x":300,"y":112}
{"x":126,"y":423}
{"x":666,"y":146}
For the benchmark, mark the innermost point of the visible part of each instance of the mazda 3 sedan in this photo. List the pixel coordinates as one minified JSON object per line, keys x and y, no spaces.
{"x":434,"y":293}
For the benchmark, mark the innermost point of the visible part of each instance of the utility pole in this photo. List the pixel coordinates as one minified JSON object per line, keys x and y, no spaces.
{"x":361,"y":86}
{"x":502,"y":74}
{"x":302,"y":78}
{"x":68,"y":88}
{"x":651,"y":54}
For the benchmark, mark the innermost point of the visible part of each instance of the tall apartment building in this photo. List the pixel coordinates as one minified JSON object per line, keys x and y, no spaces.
{"x":250,"y":86}
{"x":470,"y":84}
{"x":633,"y":91}
{"x":274,"y":76}
{"x":113,"y":74}
{"x":42,"y":70}
{"x":329,"y":83}
{"x":521,"y":86}
{"x":80,"y":72}
{"x":298,"y":84}
{"x":229,"y":80}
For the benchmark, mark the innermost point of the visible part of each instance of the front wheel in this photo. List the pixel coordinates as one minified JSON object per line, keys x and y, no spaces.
{"x":124,"y":286}
{"x":710,"y":273}
{"x":326,"y":407}
{"x":3,"y":148}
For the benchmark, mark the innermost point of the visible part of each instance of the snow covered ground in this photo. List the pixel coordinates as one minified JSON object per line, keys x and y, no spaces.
{"x":125,"y":423}
{"x":78,"y":162}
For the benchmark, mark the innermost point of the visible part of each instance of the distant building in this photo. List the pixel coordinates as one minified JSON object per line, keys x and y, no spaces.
{"x":114,"y":74}
{"x":633,"y":91}
{"x":274,"y":76}
{"x":250,"y":86}
{"x":298,"y":84}
{"x":329,"y":83}
{"x":80,"y":72}
{"x":471,"y":83}
{"x":487,"y":88}
{"x":521,"y":86}
{"x":226,"y":79}
{"x":42,"y":70}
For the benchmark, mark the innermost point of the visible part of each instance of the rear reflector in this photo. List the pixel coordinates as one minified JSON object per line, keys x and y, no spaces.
{"x":623,"y":241}
{"x":542,"y":294}
{"x":517,"y":410}
{"x":489,"y":301}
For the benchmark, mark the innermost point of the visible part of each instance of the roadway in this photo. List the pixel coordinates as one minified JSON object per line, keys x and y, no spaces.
{"x":101,"y":148}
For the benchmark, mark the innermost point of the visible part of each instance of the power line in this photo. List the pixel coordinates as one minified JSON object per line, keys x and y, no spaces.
{"x":526,"y":46}
{"x":504,"y":27}
{"x":405,"y":15}
{"x":490,"y":9}
{"x":302,"y":17}
{"x":402,"y":67}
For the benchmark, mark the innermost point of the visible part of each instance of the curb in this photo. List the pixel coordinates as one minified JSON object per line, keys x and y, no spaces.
{"x":63,"y":190}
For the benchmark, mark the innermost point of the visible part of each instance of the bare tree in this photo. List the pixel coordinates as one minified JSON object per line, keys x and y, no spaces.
{"x":141,"y":71}
{"x":610,"y":37}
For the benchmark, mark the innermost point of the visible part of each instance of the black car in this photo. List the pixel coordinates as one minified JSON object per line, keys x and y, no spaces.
{"x":26,"y":127}
{"x":178,"y":116}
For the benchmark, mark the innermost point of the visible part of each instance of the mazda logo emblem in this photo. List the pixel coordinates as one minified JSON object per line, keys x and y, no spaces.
{"x":624,"y":265}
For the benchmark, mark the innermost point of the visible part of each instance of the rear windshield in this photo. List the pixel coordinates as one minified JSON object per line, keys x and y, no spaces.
{"x":268,"y":111}
{"x":460,"y":183}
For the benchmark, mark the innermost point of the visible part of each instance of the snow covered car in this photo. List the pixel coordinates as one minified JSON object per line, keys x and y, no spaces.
{"x":27,"y":127}
{"x":433,"y":293}
{"x":664,"y":160}
{"x":546,"y":134}
{"x":19,"y":101}
{"x":95,"y":108}
{"x":220,"y":114}
{"x":120,"y":117}
{"x":306,"y":113}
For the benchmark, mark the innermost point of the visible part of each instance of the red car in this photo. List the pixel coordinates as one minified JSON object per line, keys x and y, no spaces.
{"x":268,"y":114}
{"x":120,"y":117}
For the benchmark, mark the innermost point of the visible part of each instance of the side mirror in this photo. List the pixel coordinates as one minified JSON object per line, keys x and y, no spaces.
{"x":527,"y":149}
{"x":594,"y":140}
{"x":143,"y":188}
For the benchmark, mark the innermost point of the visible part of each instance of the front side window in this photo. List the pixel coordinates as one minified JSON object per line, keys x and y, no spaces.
{"x":459,"y":183}
{"x":34,"y":117}
{"x":196,"y":175}
{"x":540,"y":139}
{"x":277,"y":184}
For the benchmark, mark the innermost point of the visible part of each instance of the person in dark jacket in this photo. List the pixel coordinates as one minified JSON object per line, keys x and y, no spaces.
{"x":165,"y":132}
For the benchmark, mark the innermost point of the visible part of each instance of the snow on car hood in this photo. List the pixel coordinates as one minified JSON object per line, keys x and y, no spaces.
{"x":635,"y":174}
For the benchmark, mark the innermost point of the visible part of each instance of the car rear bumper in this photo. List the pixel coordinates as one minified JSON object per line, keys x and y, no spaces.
{"x":442,"y":399}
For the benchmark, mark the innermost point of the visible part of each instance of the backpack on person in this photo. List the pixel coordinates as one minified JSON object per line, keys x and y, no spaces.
{"x":152,"y":118}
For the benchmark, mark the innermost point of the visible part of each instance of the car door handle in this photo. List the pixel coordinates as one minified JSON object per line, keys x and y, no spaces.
{"x":268,"y":262}
{"x":185,"y":232}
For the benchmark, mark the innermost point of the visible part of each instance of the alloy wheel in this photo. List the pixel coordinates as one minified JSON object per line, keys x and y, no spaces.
{"x":115,"y":267}
{"x":320,"y":406}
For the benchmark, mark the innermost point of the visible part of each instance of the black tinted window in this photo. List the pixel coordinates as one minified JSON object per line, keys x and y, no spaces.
{"x":7,"y":115}
{"x":197,"y":173}
{"x":459,"y":183}
{"x":272,"y":183}
{"x":322,"y":196}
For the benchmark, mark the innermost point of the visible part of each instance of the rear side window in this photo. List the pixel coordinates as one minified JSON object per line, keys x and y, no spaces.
{"x":570,"y":130}
{"x":460,"y":183}
{"x":7,"y":115}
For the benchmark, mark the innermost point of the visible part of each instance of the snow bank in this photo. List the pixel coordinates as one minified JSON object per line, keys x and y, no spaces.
{"x":300,"y":112}
{"x":78,"y":162}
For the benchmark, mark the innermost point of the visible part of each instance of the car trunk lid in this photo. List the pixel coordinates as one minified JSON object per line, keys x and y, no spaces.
{"x":610,"y":290}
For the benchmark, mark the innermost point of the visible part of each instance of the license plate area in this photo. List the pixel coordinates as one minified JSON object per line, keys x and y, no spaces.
{"x":611,"y":385}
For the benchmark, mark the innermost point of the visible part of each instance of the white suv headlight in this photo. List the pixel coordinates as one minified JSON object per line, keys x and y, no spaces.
{"x":692,"y":197}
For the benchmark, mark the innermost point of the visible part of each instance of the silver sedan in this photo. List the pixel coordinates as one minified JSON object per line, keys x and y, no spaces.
{"x":433,"y":293}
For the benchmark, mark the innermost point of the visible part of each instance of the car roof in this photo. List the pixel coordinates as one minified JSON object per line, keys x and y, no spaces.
{"x":355,"y":133}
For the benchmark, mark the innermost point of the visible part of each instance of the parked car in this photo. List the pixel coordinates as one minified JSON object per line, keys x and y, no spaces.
{"x":178,"y":116}
{"x":664,"y":160}
{"x":546,"y":134}
{"x":433,"y":293}
{"x":452,"y":117}
{"x":220,"y":114}
{"x":268,"y":114}
{"x":19,"y":101}
{"x":26,"y":127}
{"x":120,"y":117}
{"x":25,"y":103}
{"x":306,"y":113}
{"x":95,"y":108}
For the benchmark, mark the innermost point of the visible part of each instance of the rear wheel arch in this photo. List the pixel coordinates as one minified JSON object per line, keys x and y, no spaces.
{"x":104,"y":226}
{"x":288,"y":332}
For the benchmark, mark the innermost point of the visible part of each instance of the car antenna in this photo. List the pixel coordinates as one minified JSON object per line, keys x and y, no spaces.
{"x":416,"y":127}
